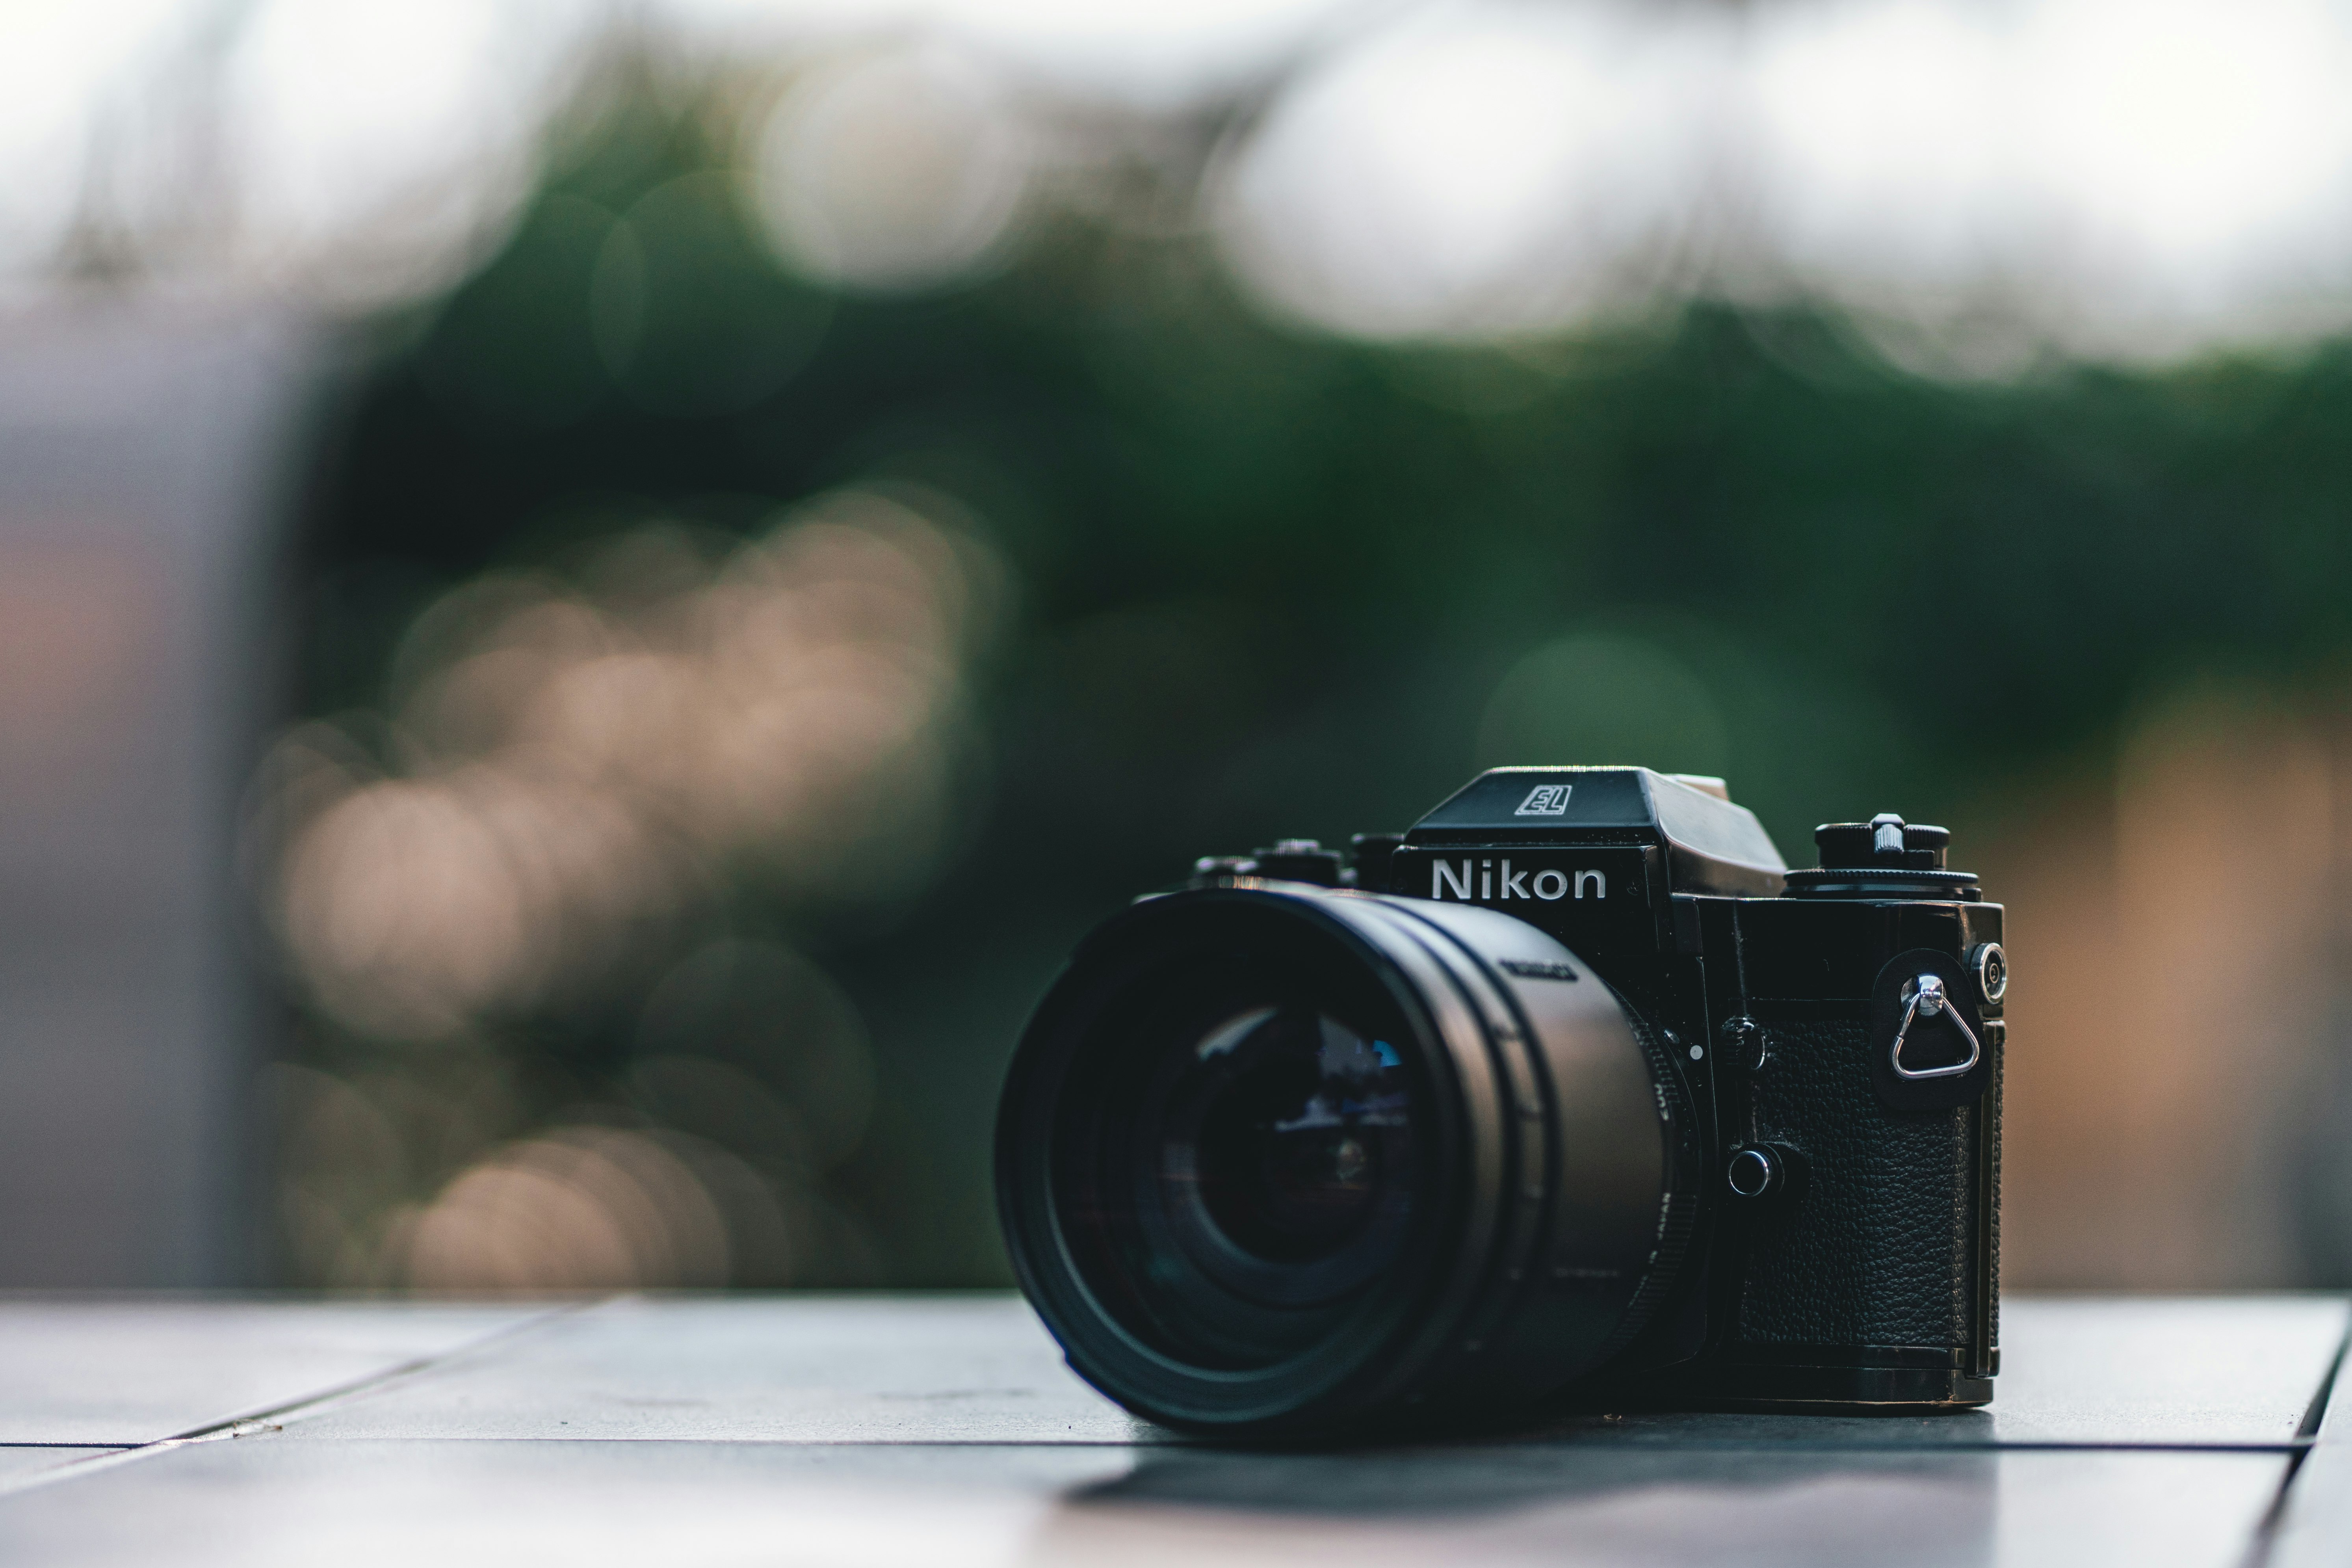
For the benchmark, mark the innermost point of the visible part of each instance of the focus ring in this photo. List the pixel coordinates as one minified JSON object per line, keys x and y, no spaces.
{"x":1594,"y":1268}
{"x":1490,"y":1277}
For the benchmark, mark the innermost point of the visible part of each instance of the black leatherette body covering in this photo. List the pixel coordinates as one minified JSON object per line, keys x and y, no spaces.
{"x":1874,"y":1250}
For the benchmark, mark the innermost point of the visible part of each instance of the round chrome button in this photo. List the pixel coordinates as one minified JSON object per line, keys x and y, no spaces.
{"x":1751,"y":1172}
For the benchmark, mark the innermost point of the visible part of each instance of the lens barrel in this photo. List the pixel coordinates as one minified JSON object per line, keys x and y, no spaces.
{"x":1283,"y":1159}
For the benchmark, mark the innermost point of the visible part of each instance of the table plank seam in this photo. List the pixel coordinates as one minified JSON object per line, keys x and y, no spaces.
{"x":2316,"y":1415}
{"x":2268,"y":1532}
{"x":359,"y":1388}
{"x":2287,"y":1447}
{"x":271,"y":1418}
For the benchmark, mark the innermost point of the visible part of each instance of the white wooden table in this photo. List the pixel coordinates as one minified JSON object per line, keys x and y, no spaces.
{"x":944,"y":1430}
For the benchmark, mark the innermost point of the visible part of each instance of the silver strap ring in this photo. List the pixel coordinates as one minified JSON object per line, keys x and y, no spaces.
{"x":1926,"y":997}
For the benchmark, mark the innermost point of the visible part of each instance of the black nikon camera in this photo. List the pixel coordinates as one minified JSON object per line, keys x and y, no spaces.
{"x":1572,"y":1096}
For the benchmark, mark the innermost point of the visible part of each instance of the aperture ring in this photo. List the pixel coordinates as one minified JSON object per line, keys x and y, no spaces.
{"x":1678,"y":1211}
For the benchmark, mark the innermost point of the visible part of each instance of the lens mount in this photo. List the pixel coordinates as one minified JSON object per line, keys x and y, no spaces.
{"x":1278,"y":1159}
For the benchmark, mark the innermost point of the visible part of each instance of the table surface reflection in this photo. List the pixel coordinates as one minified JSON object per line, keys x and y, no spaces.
{"x":944,"y":1429}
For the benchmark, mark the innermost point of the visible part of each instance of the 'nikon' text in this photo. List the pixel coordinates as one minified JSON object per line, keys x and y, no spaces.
{"x":1497,"y":882}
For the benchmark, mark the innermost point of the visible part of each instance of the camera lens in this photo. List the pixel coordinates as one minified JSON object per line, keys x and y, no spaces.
{"x":1284,"y":1159}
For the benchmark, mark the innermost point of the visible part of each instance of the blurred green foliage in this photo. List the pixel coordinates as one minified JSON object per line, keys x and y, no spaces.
{"x":1272,"y":584}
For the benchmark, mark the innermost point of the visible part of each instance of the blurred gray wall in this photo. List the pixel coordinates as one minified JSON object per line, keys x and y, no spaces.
{"x":146,"y":458}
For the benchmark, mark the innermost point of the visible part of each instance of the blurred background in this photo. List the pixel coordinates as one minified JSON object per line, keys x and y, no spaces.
{"x":592,"y":595}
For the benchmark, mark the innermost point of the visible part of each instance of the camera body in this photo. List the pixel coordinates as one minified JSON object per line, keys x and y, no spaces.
{"x":1572,"y":1093}
{"x":1845,"y":1220}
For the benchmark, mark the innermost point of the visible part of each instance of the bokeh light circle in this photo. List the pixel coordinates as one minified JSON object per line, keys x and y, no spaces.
{"x":893,"y":172}
{"x":1475,"y":171}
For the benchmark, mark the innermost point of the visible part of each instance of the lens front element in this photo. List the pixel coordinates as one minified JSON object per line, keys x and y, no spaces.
{"x":1287,"y":1163}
